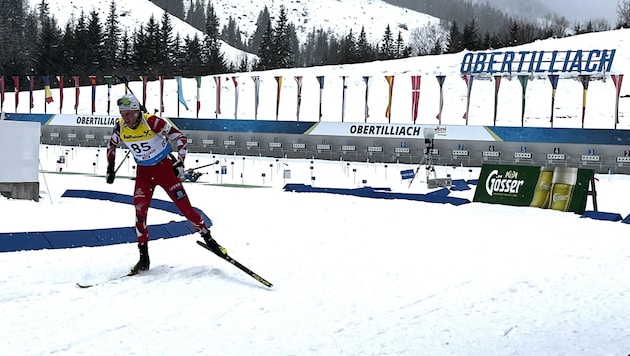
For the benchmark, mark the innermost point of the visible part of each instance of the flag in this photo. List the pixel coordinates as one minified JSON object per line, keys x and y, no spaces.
{"x":468,"y":78}
{"x":279,"y":87}
{"x":388,"y":111}
{"x":497,"y":84}
{"x":144,"y":79}
{"x":76,"y":93}
{"x":256,"y":80}
{"x":298,"y":81}
{"x":161,"y":79}
{"x":47,"y":93}
{"x":60,"y":79}
{"x":344,"y":79}
{"x":617,"y":80}
{"x":108,"y":79}
{"x":217,"y":82}
{"x":236,"y":89}
{"x":553,"y":79}
{"x":366,"y":79}
{"x":93,"y":83}
{"x":1,"y":93}
{"x":198,"y":79}
{"x":415,"y":96}
{"x":180,"y":95}
{"x":16,"y":86}
{"x":523,"y":79}
{"x":440,"y":79}
{"x":320,"y":79}
{"x":584,"y":79}
{"x":31,"y":86}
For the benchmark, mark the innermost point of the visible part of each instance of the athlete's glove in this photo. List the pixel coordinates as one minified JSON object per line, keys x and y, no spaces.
{"x":178,"y":168}
{"x":111,"y":174}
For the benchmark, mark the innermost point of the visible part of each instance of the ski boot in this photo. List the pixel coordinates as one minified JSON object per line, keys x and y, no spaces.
{"x":143,"y":263}
{"x":213,"y":245}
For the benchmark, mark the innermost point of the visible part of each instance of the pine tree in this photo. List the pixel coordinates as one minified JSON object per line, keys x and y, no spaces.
{"x":262,"y":21}
{"x":111,"y":38}
{"x":283,"y":55}
{"x":386,"y":49}
{"x":215,"y":61}
{"x":12,"y":28}
{"x":365,"y":53}
{"x":454,"y":39}
{"x":95,"y":51}
{"x":167,"y":46}
{"x":265,"y":50}
{"x":48,"y":50}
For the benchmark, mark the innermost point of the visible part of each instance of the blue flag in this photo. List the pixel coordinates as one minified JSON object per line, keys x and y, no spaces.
{"x":180,"y":95}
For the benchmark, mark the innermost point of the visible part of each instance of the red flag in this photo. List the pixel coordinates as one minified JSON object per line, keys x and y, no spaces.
{"x":93,"y":82}
{"x":144,"y":89}
{"x":31,"y":86}
{"x":60,"y":78}
{"x":617,"y":80}
{"x":16,"y":84}
{"x":415,"y":96}
{"x":76,"y":93}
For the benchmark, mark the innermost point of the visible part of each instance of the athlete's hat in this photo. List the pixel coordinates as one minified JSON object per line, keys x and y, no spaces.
{"x":128,"y":102}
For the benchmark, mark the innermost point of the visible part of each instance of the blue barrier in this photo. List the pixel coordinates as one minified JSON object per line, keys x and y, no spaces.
{"x":380,"y":193}
{"x":599,"y":215}
{"x":97,"y":237}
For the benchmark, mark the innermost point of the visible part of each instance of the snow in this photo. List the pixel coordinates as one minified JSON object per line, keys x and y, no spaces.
{"x":351,"y":275}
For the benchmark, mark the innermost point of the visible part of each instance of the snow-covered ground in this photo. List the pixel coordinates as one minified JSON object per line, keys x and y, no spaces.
{"x":352,"y":276}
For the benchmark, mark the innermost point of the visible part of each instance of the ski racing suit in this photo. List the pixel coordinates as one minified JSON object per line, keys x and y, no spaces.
{"x":149,"y":143}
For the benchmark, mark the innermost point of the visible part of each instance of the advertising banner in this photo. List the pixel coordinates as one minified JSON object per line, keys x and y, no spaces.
{"x":546,"y":187}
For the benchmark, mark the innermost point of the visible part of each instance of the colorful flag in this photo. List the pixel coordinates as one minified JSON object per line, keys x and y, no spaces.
{"x":1,"y":93}
{"x":440,"y":79}
{"x":497,"y":84}
{"x":16,"y":85}
{"x":279,"y":87}
{"x":236,"y":89}
{"x":617,"y":80}
{"x":76,"y":93}
{"x":553,"y":79}
{"x":47,"y":93}
{"x":108,"y":79}
{"x":60,"y":79}
{"x":198,"y":79}
{"x":468,"y":78}
{"x":31,"y":86}
{"x":320,"y":79}
{"x":256,"y":80}
{"x":180,"y":94}
{"x":415,"y":96}
{"x":298,"y":81}
{"x":584,"y":79}
{"x":523,"y":79}
{"x":217,"y":82}
{"x":161,"y":79}
{"x":388,"y":111}
{"x":343,"y":96}
{"x":366,"y":79}
{"x":93,"y":83}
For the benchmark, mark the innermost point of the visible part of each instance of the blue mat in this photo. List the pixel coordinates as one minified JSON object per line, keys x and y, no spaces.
{"x":38,"y":240}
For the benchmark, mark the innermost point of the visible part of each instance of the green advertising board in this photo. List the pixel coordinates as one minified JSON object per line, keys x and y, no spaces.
{"x":547,"y":187}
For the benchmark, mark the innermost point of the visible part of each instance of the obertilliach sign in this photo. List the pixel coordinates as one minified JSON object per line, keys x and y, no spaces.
{"x":529,"y":62}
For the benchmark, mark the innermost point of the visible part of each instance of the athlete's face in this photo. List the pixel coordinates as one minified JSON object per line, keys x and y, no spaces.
{"x":130,"y":117}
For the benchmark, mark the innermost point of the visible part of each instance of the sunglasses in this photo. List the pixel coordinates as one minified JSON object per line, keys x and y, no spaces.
{"x":123,"y":101}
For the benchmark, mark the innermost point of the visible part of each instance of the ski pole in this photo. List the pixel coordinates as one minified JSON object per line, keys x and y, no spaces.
{"x":205,"y":165}
{"x":121,"y":162}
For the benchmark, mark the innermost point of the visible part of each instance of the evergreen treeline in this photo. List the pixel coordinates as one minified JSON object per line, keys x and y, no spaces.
{"x":34,"y":44}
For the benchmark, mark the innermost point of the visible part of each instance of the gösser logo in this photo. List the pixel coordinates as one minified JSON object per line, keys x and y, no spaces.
{"x":496,"y":183}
